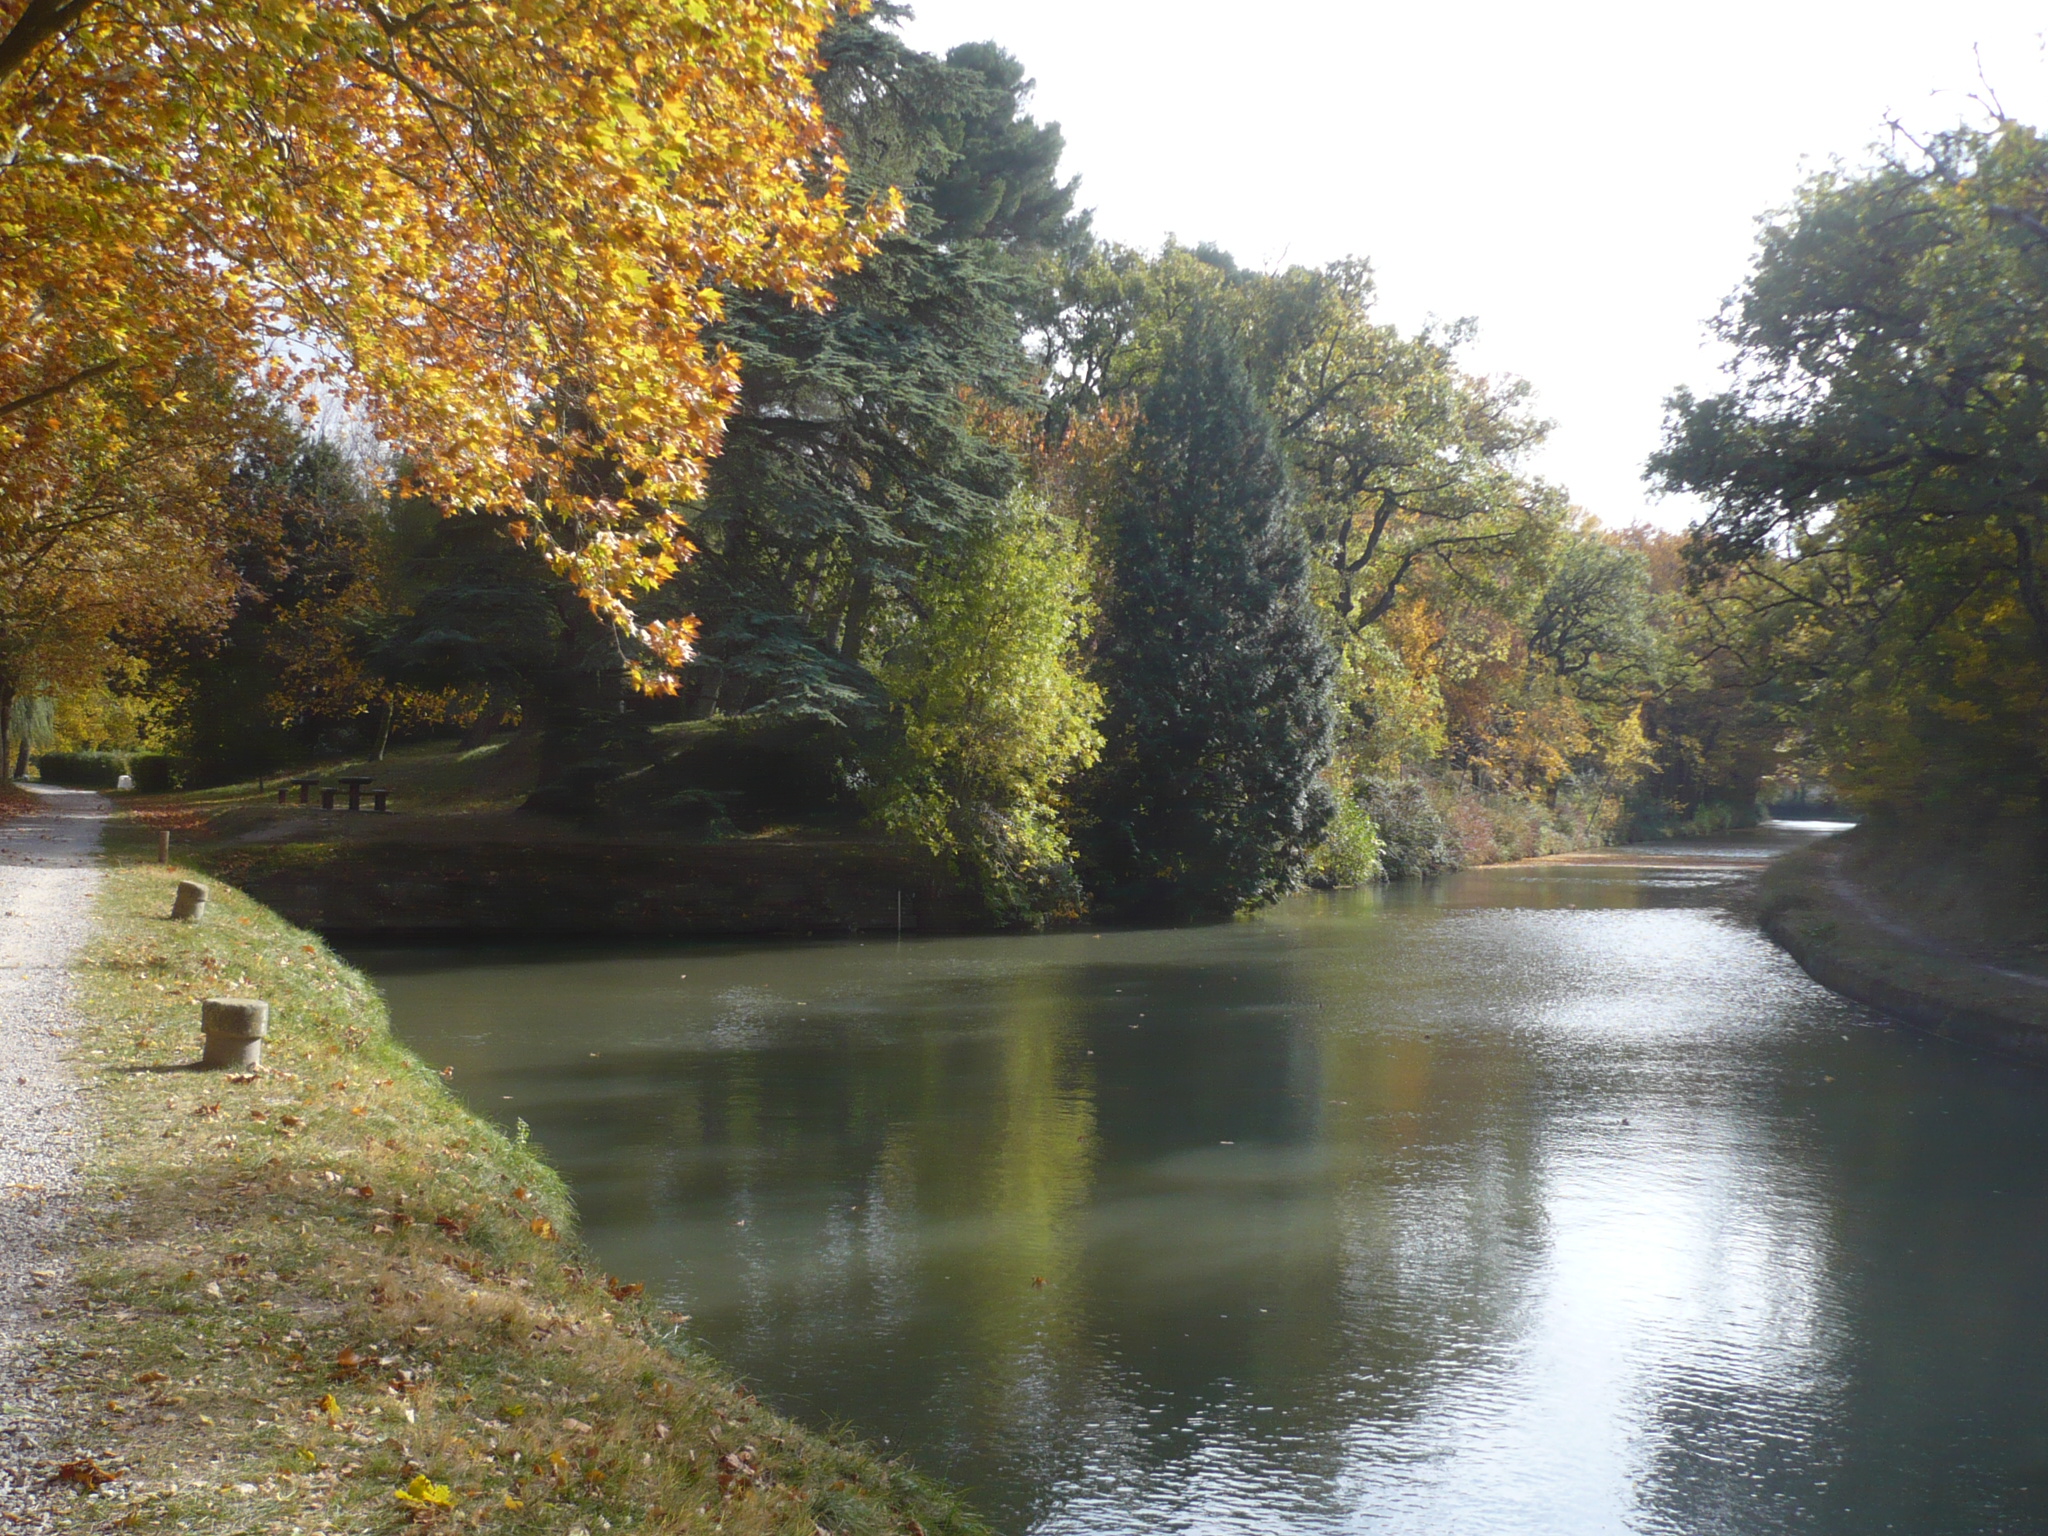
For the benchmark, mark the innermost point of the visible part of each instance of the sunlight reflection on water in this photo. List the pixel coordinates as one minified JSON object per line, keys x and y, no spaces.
{"x":1543,"y":1199}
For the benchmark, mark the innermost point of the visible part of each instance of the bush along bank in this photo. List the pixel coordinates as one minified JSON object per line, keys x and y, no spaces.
{"x":325,"y":1297}
{"x":1863,"y":915}
{"x":1430,"y":824}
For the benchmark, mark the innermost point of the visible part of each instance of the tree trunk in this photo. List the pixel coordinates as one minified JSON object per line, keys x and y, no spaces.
{"x":479,"y":731}
{"x":6,"y":720}
{"x":704,"y":694}
{"x":20,"y":759}
{"x":857,"y":605}
{"x":383,"y":732}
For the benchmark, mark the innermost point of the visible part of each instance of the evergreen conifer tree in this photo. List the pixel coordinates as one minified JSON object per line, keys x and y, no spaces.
{"x":1206,"y":799}
{"x":854,"y":456}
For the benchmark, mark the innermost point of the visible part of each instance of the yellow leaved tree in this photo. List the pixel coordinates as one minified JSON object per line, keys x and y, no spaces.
{"x":498,"y":227}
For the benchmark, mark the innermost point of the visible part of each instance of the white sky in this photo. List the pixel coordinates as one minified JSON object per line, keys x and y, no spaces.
{"x":1582,"y":178}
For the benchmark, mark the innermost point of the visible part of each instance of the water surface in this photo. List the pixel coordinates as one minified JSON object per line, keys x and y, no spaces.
{"x":1545,"y":1199}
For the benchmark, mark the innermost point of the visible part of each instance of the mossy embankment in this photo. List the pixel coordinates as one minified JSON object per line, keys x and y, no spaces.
{"x":1943,"y":928}
{"x":325,"y":1297}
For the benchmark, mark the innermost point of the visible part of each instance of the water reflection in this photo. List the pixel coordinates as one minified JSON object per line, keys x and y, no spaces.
{"x":1544,"y":1199}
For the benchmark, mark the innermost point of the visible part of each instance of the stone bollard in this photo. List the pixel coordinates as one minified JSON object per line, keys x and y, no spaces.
{"x":234,"y":1028}
{"x":189,"y":905}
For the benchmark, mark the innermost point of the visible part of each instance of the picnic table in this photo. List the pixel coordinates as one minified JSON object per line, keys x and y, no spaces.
{"x":305,"y":790}
{"x":355,"y":785}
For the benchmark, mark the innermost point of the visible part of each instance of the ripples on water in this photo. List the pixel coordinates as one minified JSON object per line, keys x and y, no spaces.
{"x":1543,"y":1199}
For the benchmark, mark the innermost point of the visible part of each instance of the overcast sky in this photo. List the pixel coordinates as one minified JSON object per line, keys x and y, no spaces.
{"x":1583,"y":179}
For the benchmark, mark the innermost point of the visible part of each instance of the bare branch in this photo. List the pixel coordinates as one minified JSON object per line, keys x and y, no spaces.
{"x":23,"y":402}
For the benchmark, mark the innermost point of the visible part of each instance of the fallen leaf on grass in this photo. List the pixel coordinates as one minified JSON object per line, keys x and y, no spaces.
{"x":624,"y":1290}
{"x":148,"y":1377}
{"x":83,"y":1473}
{"x":421,"y":1492}
{"x":542,"y":1227}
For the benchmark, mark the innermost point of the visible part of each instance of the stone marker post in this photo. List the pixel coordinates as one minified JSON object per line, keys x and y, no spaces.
{"x":234,"y":1028}
{"x":189,"y":905}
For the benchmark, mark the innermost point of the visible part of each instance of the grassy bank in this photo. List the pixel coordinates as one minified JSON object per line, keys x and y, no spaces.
{"x":327,"y":1298}
{"x":456,"y":858}
{"x":1948,"y":933}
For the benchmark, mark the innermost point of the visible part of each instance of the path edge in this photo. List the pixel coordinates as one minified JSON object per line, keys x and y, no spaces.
{"x":1807,"y":905}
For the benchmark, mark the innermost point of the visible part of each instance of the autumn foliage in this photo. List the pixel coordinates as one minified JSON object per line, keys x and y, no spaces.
{"x":500,"y":230}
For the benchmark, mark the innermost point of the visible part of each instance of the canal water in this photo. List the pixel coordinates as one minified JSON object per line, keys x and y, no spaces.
{"x":1540,"y":1199}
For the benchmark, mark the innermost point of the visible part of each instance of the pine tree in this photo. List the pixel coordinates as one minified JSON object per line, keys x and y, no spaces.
{"x":1206,"y":799}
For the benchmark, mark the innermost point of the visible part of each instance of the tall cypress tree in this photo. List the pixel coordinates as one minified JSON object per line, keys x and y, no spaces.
{"x":1206,"y":799}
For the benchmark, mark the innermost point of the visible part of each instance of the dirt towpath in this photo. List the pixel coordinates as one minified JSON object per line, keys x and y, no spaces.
{"x":48,"y":876}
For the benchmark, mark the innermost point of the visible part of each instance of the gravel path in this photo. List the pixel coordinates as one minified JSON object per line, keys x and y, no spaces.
{"x":48,"y":874}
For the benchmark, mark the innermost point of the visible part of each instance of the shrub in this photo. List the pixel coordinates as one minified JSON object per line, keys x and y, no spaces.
{"x":82,"y":770}
{"x":1349,"y":853}
{"x":996,"y":713}
{"x":755,"y":771}
{"x":157,"y":773}
{"x":1412,"y":841}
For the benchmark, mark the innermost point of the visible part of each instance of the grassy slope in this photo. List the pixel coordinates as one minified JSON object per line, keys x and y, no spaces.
{"x":305,"y":1290}
{"x":1844,"y":908}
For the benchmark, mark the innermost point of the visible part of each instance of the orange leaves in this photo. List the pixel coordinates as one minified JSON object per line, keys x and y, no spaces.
{"x":739,"y":1469}
{"x":84,"y":1473}
{"x":500,"y":237}
{"x":544,"y":1229}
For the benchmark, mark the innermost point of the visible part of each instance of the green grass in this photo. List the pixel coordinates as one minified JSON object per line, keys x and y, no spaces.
{"x":305,"y":1290}
{"x":433,"y":776}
